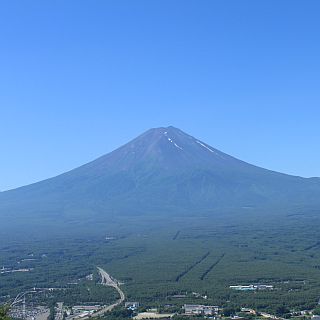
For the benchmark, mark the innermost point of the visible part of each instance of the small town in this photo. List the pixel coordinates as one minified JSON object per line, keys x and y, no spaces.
{"x":137,"y":311}
{"x":21,"y":309}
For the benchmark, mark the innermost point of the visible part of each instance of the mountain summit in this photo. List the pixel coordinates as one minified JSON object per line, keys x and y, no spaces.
{"x":163,"y":171}
{"x":166,"y":149}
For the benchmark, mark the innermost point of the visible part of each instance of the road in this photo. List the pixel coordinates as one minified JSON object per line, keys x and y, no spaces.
{"x":59,"y":311}
{"x":108,"y":281}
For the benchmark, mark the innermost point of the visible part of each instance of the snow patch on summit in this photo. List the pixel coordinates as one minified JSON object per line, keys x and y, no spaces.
{"x":178,"y":146}
{"x":209,"y":149}
{"x":203,"y":145}
{"x":170,"y":140}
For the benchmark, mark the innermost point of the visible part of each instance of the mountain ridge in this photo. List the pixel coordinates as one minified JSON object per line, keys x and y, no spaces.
{"x":164,"y":170}
{"x":161,"y":131}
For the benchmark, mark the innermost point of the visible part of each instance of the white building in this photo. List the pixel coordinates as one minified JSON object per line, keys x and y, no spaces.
{"x":132,"y":305}
{"x":198,"y":309}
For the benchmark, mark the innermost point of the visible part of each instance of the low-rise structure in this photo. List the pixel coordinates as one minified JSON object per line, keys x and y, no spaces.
{"x":251,"y":287}
{"x":85,"y":308}
{"x":198,"y":309}
{"x":132,"y":305}
{"x":248,"y":310}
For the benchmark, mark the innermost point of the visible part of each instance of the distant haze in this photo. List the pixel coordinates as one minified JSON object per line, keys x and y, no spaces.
{"x":162,"y":173}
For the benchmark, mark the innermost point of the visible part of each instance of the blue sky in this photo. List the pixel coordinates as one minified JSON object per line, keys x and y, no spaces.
{"x":80,"y":78}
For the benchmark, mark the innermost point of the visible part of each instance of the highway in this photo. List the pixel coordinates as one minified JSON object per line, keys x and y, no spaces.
{"x":108,"y":281}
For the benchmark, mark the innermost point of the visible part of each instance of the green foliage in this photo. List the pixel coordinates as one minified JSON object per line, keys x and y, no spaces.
{"x":229,"y":311}
{"x":84,"y":293}
{"x":4,"y":310}
{"x":149,"y":261}
{"x":317,"y":310}
{"x":118,"y":314}
{"x":282,"y":311}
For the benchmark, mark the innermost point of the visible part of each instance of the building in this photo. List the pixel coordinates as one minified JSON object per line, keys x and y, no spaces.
{"x":179,"y":296}
{"x":132,"y":305}
{"x":248,"y":310}
{"x":252,"y":287}
{"x":243,"y":288}
{"x":264,"y":287}
{"x":198,"y":309}
{"x":77,"y":309}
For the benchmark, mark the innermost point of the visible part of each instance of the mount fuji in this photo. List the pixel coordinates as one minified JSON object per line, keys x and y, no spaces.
{"x":164,"y":172}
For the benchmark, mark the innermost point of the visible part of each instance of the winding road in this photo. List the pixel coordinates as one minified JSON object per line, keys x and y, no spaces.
{"x":108,"y":281}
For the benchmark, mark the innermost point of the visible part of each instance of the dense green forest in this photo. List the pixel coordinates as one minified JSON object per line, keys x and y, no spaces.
{"x":158,"y":261}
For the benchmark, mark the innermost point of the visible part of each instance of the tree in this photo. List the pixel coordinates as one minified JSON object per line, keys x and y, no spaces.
{"x":4,"y":310}
{"x":316,"y":310}
{"x":229,"y":311}
{"x":282,"y":310}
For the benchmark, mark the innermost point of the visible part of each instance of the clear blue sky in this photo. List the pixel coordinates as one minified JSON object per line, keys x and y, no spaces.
{"x":80,"y":78}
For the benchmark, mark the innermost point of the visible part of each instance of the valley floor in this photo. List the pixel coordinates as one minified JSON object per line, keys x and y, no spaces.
{"x":175,"y":262}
